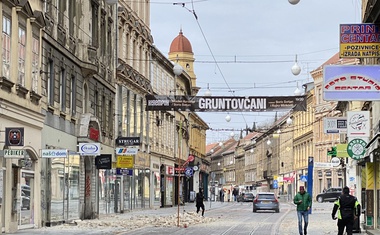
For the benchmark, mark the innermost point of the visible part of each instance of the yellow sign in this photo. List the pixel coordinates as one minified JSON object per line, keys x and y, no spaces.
{"x":124,"y":162}
{"x":341,"y":150}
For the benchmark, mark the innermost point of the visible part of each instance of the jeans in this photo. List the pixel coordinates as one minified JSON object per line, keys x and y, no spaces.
{"x":305,"y":215}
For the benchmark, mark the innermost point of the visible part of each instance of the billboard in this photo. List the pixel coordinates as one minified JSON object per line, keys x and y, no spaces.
{"x":351,"y":82}
{"x":359,"y":41}
{"x":225,"y":103}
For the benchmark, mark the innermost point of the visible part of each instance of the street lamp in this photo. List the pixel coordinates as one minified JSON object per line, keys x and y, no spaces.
{"x":296,"y":69}
{"x":177,"y":70}
{"x":208,"y":91}
{"x":294,"y":2}
{"x":228,"y":118}
{"x":289,"y":121}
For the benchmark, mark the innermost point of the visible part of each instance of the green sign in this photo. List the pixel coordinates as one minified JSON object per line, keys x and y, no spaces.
{"x":356,"y":148}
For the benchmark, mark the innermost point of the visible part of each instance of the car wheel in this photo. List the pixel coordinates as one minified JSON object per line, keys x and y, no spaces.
{"x":320,"y":199}
{"x":277,"y":210}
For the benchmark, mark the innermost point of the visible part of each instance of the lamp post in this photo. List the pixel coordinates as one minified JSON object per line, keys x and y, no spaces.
{"x":177,"y":70}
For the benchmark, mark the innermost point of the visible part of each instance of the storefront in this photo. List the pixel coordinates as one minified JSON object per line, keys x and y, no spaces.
{"x":167,"y":184}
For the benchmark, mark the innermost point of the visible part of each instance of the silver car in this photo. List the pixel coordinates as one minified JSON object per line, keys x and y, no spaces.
{"x":266,"y":201}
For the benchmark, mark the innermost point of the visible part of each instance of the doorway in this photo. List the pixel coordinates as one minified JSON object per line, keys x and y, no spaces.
{"x":25,"y":203}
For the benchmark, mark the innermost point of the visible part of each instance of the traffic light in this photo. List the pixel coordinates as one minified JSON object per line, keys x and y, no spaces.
{"x":331,"y":152}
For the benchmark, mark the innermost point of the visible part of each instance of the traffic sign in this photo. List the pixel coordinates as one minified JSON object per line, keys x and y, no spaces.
{"x":275,"y":184}
{"x":303,"y":178}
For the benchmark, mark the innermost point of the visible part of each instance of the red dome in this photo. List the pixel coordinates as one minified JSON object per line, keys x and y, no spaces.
{"x":180,"y":44}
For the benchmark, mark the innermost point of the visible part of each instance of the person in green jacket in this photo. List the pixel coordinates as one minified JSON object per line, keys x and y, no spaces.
{"x":303,"y":201}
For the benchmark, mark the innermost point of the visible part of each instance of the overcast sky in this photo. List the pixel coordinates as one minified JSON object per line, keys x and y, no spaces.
{"x":247,"y":47}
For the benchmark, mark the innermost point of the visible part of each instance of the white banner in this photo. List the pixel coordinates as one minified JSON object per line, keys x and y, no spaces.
{"x":53,"y":153}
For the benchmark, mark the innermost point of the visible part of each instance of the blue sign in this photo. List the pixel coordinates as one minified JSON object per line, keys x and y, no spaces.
{"x":189,"y":171}
{"x":303,"y":178}
{"x":275,"y":184}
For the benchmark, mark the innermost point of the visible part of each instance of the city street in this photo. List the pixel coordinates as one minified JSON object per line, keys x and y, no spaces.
{"x":220,"y":218}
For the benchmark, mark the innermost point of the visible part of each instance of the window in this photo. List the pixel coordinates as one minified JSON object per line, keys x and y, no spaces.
{"x":61,"y":11}
{"x":62,"y":90}
{"x":104,"y":113}
{"x":96,"y":105}
{"x":110,"y":116}
{"x":50,"y":83}
{"x":94,"y":24}
{"x":72,"y":11}
{"x":21,"y":56}
{"x":35,"y":72}
{"x":72,"y":95}
{"x":6,"y":47}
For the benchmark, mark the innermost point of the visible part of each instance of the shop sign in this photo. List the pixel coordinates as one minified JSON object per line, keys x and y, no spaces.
{"x":124,"y":162}
{"x":127,"y":151}
{"x":14,"y":153}
{"x":333,"y":125}
{"x":128,"y":141}
{"x":89,"y":149}
{"x":14,"y":136}
{"x":104,"y":161}
{"x":351,"y":82}
{"x":54,"y":153}
{"x":359,"y":41}
{"x":358,"y":123}
{"x":356,"y":148}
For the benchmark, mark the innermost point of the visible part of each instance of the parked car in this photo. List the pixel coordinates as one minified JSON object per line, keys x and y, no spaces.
{"x":330,"y":195}
{"x":266,"y":201}
{"x":245,"y":197}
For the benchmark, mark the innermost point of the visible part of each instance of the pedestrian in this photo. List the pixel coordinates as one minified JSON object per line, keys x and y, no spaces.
{"x":348,"y":209}
{"x":221,"y":194}
{"x":303,"y":201}
{"x":228,"y":195}
{"x":199,"y":202}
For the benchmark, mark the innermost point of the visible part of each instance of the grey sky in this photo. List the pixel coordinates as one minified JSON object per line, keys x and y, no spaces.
{"x":254,"y":43}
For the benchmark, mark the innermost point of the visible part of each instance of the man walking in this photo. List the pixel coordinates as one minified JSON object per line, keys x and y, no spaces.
{"x":303,"y":201}
{"x":348,"y":209}
{"x":199,"y":202}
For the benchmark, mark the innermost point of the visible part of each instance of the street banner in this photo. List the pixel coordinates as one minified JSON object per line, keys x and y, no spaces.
{"x":224,"y":103}
{"x":359,"y":41}
{"x":351,"y":82}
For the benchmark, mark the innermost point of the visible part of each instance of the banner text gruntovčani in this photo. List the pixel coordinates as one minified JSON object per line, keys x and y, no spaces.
{"x":232,"y":103}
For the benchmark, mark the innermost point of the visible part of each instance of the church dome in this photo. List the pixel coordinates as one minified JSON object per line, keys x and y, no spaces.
{"x":180,"y":44}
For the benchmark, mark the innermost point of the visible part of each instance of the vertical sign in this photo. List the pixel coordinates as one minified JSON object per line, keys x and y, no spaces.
{"x":310,"y":169}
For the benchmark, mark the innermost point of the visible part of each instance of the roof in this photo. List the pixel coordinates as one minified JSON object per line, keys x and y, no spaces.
{"x":180,"y":44}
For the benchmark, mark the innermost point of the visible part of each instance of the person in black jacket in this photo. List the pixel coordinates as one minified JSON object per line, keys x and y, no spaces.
{"x":348,"y":209}
{"x":199,"y":202}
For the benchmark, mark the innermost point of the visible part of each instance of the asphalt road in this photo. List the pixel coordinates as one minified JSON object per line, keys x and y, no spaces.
{"x":222,"y":219}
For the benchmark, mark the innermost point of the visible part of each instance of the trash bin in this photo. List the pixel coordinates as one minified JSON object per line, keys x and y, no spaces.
{"x":192,"y":196}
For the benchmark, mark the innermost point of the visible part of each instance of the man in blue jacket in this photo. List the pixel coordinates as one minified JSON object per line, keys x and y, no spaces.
{"x":303,"y":201}
{"x":349,"y":211}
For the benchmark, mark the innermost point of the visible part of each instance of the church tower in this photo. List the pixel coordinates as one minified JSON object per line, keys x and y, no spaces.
{"x":181,"y":52}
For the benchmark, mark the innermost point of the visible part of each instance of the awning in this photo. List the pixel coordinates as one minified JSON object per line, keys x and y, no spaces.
{"x":372,"y":145}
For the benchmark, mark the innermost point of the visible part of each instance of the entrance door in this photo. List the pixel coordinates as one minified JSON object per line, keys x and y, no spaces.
{"x":26,"y":205}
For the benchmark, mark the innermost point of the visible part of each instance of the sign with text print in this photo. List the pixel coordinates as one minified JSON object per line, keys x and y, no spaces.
{"x":125,"y":162}
{"x":351,"y":82}
{"x":358,"y":124}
